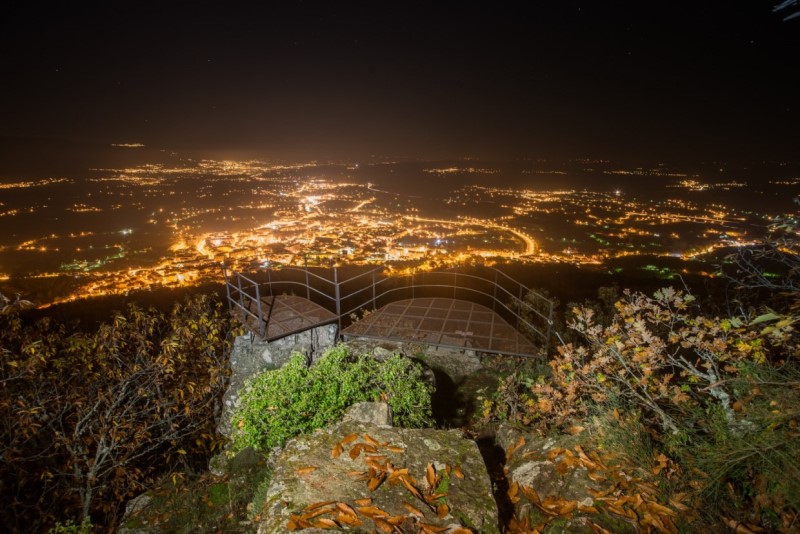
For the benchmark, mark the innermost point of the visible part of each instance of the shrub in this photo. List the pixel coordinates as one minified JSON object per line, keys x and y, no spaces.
{"x":280,"y":404}
{"x":662,"y":356}
{"x":718,"y":395}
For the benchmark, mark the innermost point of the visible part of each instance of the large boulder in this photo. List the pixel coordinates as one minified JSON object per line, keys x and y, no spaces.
{"x":363,"y":477}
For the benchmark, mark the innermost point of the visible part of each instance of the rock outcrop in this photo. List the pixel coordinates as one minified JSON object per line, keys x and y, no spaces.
{"x":364,"y":477}
{"x":555,"y":469}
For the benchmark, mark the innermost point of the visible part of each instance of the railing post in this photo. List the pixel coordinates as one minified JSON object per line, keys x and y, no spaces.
{"x":269,"y":281}
{"x":374,"y":304}
{"x":227,"y":286}
{"x":494,"y":293}
{"x":305,"y":268}
{"x":338,"y":301}
{"x":261,"y":324}
{"x":239,"y":283}
{"x":549,"y":329}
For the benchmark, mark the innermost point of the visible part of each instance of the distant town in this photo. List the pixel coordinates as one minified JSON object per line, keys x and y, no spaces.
{"x":122,"y":230}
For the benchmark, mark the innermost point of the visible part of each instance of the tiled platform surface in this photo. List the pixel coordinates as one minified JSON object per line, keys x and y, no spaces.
{"x":443,"y":322}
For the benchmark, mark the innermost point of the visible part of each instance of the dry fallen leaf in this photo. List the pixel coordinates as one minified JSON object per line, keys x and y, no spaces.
{"x":297,"y":523}
{"x":597,"y":529}
{"x":661,"y":509}
{"x":369,"y":439}
{"x":595,"y":476}
{"x":356,"y":451}
{"x":442,"y":510}
{"x":382,"y":525}
{"x":305,"y":470}
{"x":337,"y":450}
{"x":376,"y":481}
{"x":319,"y":511}
{"x":414,"y":491}
{"x":346,"y":509}
{"x":394,"y":448}
{"x":324,"y":522}
{"x":397,"y":473}
{"x":363,"y":502}
{"x":679,"y":505}
{"x":510,"y":451}
{"x":378,"y":467}
{"x":413,"y":511}
{"x":458,"y":472}
{"x":740,"y":528}
{"x":430,"y":474}
{"x":349,"y":438}
{"x":372,"y":512}
{"x":314,"y":506}
{"x":351,"y":520}
{"x":531,"y":494}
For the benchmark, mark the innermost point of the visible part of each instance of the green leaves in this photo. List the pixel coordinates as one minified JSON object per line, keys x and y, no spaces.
{"x":294,"y":399}
{"x":763,"y":318}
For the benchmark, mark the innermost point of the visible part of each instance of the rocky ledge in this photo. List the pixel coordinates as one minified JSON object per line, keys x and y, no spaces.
{"x":364,"y":477}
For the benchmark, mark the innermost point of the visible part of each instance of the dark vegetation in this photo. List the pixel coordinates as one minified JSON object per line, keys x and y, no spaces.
{"x":90,"y":419}
{"x":698,"y":397}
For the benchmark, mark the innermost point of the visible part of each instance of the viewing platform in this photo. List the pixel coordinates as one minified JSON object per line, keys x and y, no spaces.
{"x":480,"y":309}
{"x":442,"y":322}
{"x":284,"y":315}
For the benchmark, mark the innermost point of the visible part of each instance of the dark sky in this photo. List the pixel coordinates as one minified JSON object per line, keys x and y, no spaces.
{"x":670,"y":81}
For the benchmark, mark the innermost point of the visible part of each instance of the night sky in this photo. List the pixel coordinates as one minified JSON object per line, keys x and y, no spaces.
{"x":668,"y":81}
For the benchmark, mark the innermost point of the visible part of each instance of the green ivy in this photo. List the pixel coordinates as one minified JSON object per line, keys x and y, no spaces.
{"x":277,"y":405}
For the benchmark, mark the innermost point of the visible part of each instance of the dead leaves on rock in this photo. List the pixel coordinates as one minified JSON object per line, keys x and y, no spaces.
{"x":380,"y":470}
{"x":510,"y":450}
{"x":313,"y":516}
{"x":628,"y":498}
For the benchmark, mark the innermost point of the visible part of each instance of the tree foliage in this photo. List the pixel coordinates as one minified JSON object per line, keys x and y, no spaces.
{"x":718,"y":394}
{"x":87,"y":420}
{"x":662,"y":355}
{"x":294,"y":399}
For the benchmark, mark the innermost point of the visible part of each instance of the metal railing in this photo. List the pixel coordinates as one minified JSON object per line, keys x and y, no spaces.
{"x":529,"y":311}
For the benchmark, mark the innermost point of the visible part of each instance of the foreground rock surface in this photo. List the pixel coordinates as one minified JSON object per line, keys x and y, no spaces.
{"x":552,"y":468}
{"x":326,"y":477}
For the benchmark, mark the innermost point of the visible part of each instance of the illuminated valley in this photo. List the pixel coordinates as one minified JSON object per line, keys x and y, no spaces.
{"x":156,"y":225}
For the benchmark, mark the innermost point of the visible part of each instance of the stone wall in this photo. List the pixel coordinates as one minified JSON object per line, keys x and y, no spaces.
{"x":251,"y":355}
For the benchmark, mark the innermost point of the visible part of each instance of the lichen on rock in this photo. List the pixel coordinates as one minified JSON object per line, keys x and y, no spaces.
{"x":363,"y":477}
